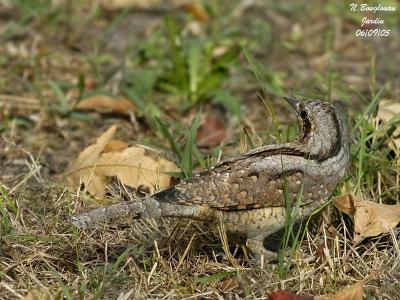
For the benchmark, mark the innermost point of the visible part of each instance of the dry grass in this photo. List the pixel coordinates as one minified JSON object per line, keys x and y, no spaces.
{"x":43,"y":253}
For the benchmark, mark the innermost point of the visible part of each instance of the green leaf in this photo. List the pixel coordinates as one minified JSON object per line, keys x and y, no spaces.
{"x":131,"y":250}
{"x":81,"y":116}
{"x":187,"y":158}
{"x":60,"y":97}
{"x":179,"y":175}
{"x":210,"y":83}
{"x":177,"y":60}
{"x":194,"y":58}
{"x":169,"y":137}
{"x":134,"y":97}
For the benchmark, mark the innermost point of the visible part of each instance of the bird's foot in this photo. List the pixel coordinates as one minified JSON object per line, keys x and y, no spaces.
{"x":261,"y":254}
{"x":264,"y":256}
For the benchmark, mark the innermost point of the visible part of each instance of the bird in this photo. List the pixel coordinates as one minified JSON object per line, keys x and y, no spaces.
{"x":250,"y":193}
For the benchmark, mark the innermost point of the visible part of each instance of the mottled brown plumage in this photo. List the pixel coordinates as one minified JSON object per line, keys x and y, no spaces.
{"x":250,"y":189}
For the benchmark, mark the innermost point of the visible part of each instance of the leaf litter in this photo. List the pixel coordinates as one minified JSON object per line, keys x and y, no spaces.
{"x":370,"y":218}
{"x":107,"y":104}
{"x":108,"y":157}
{"x":353,"y":292}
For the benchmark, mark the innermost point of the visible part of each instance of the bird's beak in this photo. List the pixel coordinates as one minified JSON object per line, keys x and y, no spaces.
{"x":293,"y":103}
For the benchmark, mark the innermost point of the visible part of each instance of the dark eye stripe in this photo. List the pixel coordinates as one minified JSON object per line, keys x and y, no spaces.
{"x":307,"y":127}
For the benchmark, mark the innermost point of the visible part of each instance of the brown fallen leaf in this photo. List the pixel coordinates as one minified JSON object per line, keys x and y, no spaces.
{"x":90,"y":84}
{"x":370,"y":218}
{"x":132,"y":166}
{"x":81,"y":169}
{"x":282,"y":295}
{"x":353,"y":292}
{"x":115,"y":145}
{"x":41,"y":294}
{"x":89,"y":155}
{"x":212,"y":131}
{"x":197,"y":11}
{"x":347,"y":203}
{"x":107,"y":104}
{"x":29,"y":296}
{"x":320,"y":255}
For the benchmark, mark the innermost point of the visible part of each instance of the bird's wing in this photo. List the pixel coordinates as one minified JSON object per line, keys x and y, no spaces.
{"x":235,"y":186}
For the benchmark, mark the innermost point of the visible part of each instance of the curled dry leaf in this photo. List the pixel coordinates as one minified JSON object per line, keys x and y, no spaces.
{"x":81,"y":169}
{"x":353,"y":292}
{"x":347,"y":203}
{"x":108,"y":158}
{"x":107,"y":104}
{"x":370,"y":218}
{"x":89,"y":155}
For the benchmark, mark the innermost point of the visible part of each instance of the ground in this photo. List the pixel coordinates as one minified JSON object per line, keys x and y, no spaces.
{"x":230,"y":62}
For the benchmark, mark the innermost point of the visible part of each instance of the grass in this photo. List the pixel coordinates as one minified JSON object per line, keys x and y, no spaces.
{"x":6,"y":204}
{"x":175,"y":75}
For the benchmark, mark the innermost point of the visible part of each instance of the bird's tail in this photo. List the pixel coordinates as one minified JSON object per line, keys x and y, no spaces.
{"x":146,"y":208}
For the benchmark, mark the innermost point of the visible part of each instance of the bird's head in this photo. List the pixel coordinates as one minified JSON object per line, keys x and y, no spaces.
{"x":322,"y":128}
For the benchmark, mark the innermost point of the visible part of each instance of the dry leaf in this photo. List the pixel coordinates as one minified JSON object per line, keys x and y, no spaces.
{"x":212,"y":131}
{"x":320,"y":255}
{"x":115,"y":145}
{"x":347,"y":203}
{"x":134,"y":168}
{"x":89,"y":156}
{"x":282,"y":295}
{"x":103,"y":103}
{"x":41,"y":294}
{"x":30,"y":296}
{"x":197,"y":11}
{"x":386,"y":111}
{"x":82,"y":168}
{"x":353,"y":292}
{"x":370,"y":218}
{"x":108,"y":158}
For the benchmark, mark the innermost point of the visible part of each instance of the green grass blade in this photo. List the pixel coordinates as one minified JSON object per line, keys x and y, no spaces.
{"x":165,"y":132}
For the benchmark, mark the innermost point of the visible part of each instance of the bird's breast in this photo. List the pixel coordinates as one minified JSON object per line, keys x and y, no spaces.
{"x":254,"y":222}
